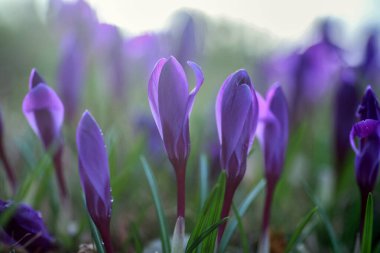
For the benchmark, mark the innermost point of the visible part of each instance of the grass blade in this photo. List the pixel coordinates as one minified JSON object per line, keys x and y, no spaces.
{"x":157,"y":203}
{"x":231,"y":227}
{"x":210,"y":216}
{"x":296,"y":236}
{"x":243,"y":236}
{"x":205,"y":234}
{"x":325,"y":220}
{"x":203,"y":174}
{"x":368,"y":226}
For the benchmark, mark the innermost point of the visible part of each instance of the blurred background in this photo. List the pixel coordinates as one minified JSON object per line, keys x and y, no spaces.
{"x":98,"y":55}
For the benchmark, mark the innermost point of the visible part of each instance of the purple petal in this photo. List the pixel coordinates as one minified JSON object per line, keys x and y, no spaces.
{"x":369,"y":106}
{"x":199,"y":81}
{"x":25,"y":228}
{"x":172,"y":100}
{"x":44,"y":111}
{"x":153,"y":92}
{"x":94,"y":173}
{"x":363,"y":129}
{"x":35,"y":79}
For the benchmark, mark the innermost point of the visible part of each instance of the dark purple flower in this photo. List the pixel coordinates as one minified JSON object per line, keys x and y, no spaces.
{"x":95,"y":176}
{"x":236,"y":118}
{"x":171,"y":105}
{"x":71,"y":75}
{"x":273,"y":132}
{"x":4,"y":159}
{"x":345,"y":105}
{"x":25,"y":228}
{"x":44,"y":111}
{"x":368,"y":153}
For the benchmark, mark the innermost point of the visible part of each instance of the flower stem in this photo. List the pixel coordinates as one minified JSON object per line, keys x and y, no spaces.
{"x":227,"y":203}
{"x":181,"y":191}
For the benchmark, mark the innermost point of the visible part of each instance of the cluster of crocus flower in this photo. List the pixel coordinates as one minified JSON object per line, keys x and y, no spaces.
{"x":24,"y":228}
{"x":236,"y":113}
{"x":45,"y":112}
{"x":368,"y":153}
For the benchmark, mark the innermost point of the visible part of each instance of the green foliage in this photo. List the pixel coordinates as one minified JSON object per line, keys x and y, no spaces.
{"x":204,"y":232}
{"x":157,"y":203}
{"x":294,"y":240}
{"x":366,"y":243}
{"x":231,"y":227}
{"x":243,"y":236}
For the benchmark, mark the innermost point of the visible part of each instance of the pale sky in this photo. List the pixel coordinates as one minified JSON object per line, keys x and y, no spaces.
{"x":286,"y":19}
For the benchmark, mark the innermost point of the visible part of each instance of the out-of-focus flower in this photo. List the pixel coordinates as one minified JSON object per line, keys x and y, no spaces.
{"x":171,"y":105}
{"x":368,"y":153}
{"x":95,"y":176}
{"x":187,"y":37}
{"x":236,"y":118}
{"x":369,"y":69}
{"x":71,"y":75}
{"x":273,"y":132}
{"x":45,"y":112}
{"x":306,"y":75}
{"x":109,"y":49}
{"x":4,"y":159}
{"x":345,"y":105}
{"x":25,"y":228}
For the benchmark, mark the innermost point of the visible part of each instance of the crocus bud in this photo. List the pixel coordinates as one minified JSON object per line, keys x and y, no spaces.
{"x":25,"y":228}
{"x":171,"y":105}
{"x":236,"y":118}
{"x":95,"y":176}
{"x":4,"y":158}
{"x":44,"y":111}
{"x":273,"y":134}
{"x":368,"y":153}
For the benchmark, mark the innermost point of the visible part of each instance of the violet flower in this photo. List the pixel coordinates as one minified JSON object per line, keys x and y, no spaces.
{"x":345,"y":105}
{"x":171,"y":105}
{"x":95,"y":176}
{"x":368,"y":153}
{"x":236,"y":118}
{"x":25,"y":228}
{"x":44,"y":111}
{"x":273,"y":134}
{"x":4,"y":159}
{"x":369,"y":68}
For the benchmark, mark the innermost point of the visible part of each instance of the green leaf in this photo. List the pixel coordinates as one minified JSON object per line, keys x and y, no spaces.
{"x":94,"y":231}
{"x":157,"y":203}
{"x":368,"y":226}
{"x":203,"y":174}
{"x":231,"y":227}
{"x":205,"y":234}
{"x":296,"y":235}
{"x":243,"y":236}
{"x":209,"y":217}
{"x":136,"y":238}
{"x":325,"y":220}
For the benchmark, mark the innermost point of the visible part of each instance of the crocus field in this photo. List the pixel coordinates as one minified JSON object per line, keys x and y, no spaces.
{"x":206,"y":136}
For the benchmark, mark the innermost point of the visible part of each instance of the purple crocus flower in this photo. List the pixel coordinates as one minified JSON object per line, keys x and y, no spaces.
{"x":4,"y":158}
{"x":273,"y":134}
{"x":25,"y":228}
{"x":236,"y":118}
{"x":368,"y":153}
{"x":345,"y":105}
{"x":95,"y":176}
{"x":44,"y":111}
{"x":369,"y":68}
{"x":171,"y":105}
